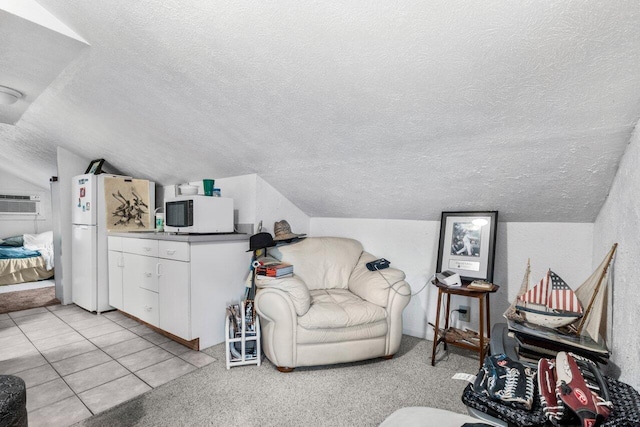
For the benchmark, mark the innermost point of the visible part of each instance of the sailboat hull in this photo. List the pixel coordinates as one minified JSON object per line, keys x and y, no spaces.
{"x":548,"y":319}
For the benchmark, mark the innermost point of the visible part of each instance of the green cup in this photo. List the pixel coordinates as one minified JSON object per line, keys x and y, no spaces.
{"x":207,"y":184}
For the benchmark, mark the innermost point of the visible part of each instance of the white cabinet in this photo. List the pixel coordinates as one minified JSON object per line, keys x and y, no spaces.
{"x":115,"y":272}
{"x":175,"y":308}
{"x":141,"y":277}
{"x":174,"y":282}
{"x":180,"y":287}
{"x":140,"y":287}
{"x":115,"y":279}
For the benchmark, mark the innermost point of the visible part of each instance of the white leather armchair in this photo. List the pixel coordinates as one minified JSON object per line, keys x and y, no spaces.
{"x":333,"y":310}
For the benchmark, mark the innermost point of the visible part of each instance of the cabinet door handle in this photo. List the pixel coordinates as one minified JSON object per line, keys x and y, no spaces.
{"x":169,"y":252}
{"x":120,"y":262}
{"x":148,"y":249}
{"x":158,"y":269}
{"x":147,"y":274}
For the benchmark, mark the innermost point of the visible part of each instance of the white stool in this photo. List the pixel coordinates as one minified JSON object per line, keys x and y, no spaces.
{"x":420,"y":416}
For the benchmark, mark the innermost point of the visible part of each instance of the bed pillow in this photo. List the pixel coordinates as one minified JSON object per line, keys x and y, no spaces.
{"x":38,"y":241}
{"x":12,"y":241}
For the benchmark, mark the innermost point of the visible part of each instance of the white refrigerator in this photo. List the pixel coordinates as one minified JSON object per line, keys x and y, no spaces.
{"x":91,"y":221}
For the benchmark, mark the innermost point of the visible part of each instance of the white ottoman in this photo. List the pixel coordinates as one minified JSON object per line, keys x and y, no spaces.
{"x":420,"y":416}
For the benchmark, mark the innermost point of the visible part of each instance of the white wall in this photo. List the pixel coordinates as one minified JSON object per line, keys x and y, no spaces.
{"x":242,"y":189}
{"x":69,"y":165}
{"x":619,"y":221}
{"x":256,"y":200}
{"x":272,"y":206}
{"x":412,"y":246}
{"x":563,"y":247}
{"x":14,"y":225}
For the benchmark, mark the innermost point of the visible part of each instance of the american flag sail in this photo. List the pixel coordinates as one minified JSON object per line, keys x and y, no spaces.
{"x":537,"y":294}
{"x":553,"y":293}
{"x":562,"y":297}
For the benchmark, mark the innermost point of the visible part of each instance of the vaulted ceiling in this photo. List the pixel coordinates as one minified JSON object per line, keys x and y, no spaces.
{"x":351,"y":109}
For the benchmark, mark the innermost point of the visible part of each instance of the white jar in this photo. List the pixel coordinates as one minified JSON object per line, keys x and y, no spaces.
{"x":159,"y":222}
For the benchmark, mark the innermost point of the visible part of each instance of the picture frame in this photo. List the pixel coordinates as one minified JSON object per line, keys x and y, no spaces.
{"x":467,"y":244}
{"x":95,"y":167}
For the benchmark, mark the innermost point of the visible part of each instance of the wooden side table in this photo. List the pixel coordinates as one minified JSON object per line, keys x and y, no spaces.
{"x":481,"y":296}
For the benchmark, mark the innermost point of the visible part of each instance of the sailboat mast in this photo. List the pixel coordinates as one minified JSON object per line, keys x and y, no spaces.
{"x":511,"y":312}
{"x":584,"y":318}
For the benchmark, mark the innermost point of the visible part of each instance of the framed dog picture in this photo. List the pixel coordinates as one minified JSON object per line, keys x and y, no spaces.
{"x":468,"y":244}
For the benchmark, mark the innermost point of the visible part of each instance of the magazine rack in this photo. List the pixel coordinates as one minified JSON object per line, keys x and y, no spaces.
{"x":249,"y":333}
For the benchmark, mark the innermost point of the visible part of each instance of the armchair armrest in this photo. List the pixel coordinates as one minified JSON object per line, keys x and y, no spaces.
{"x":293,"y":287}
{"x":373,"y":286}
{"x":279,"y":302}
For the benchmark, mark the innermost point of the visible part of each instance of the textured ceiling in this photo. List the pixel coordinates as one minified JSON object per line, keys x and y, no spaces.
{"x":35,"y":48}
{"x":351,"y":109}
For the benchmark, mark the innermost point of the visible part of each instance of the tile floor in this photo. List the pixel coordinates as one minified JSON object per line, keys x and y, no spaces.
{"x":76,"y":363}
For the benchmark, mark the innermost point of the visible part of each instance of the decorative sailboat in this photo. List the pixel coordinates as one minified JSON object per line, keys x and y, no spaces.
{"x":552,"y":304}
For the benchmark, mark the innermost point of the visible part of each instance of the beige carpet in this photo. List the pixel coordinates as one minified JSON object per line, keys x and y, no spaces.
{"x":22,"y":300}
{"x":345,"y":395}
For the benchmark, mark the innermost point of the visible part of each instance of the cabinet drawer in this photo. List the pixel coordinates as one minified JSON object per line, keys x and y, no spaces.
{"x":178,"y":251}
{"x":143,"y":304}
{"x":115,"y":243}
{"x":149,"y":275}
{"x":140,"y":246}
{"x":149,"y":307}
{"x":141,"y":271}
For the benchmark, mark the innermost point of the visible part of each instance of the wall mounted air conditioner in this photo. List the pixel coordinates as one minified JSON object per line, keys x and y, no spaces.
{"x":11,"y":204}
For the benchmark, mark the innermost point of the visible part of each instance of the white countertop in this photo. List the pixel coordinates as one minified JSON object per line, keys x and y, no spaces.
{"x":183,"y":237}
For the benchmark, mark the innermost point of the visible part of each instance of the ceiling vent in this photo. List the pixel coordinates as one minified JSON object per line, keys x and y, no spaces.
{"x":19,"y":204}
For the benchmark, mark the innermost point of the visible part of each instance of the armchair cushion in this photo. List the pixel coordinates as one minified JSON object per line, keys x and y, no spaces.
{"x":339,"y":308}
{"x":321,"y":263}
{"x":293,"y":286}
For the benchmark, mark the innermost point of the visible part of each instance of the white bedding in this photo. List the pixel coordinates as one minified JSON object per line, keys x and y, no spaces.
{"x":43,"y":243}
{"x":31,"y":269}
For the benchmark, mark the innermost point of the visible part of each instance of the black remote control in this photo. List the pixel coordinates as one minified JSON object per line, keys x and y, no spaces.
{"x":379,"y":264}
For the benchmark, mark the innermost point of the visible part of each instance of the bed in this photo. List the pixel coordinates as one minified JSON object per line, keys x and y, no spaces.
{"x":26,"y":258}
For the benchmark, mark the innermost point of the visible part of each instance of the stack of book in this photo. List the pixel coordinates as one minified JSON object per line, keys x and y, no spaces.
{"x":275,"y":270}
{"x":480,"y":285}
{"x":534,"y":342}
